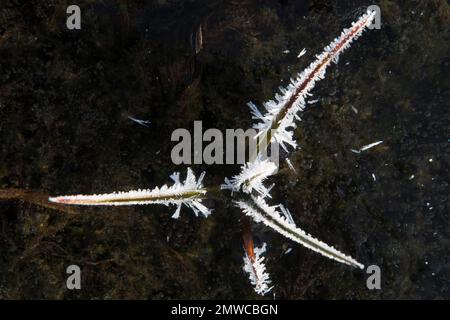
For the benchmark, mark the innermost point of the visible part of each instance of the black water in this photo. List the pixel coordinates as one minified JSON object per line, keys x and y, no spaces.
{"x":65,"y":99}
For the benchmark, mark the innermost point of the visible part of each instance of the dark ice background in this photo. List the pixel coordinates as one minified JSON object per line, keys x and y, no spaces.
{"x":64,"y":101}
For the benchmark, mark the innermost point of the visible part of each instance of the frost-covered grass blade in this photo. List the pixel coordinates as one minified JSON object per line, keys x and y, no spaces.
{"x":189,"y":192}
{"x":281,"y":222}
{"x":278,"y":121}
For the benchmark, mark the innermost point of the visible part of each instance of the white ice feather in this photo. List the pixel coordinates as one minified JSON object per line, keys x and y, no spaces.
{"x":371,"y":145}
{"x":301,"y":53}
{"x":366,"y":147}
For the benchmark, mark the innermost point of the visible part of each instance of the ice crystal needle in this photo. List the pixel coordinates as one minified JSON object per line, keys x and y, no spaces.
{"x":366,"y":147}
{"x":289,"y":163}
{"x":144,"y":123}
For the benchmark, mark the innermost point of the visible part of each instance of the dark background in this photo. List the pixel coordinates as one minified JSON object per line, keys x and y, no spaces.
{"x":64,"y":101}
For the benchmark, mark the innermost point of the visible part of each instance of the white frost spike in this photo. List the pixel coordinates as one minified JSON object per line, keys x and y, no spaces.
{"x":252,"y":176}
{"x":289,"y":163}
{"x":271,"y":217}
{"x":287,"y":214}
{"x":368,"y":146}
{"x":188,"y":192}
{"x":281,"y":114}
{"x":144,"y":123}
{"x":301,"y":53}
{"x":256,"y":270}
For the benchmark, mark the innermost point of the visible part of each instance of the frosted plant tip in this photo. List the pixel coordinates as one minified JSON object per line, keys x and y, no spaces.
{"x":254,"y":266}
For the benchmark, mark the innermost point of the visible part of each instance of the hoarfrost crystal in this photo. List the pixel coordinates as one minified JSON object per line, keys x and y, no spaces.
{"x":252,"y":176}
